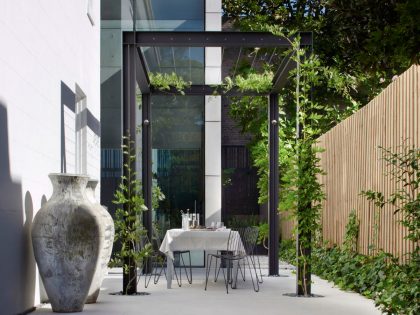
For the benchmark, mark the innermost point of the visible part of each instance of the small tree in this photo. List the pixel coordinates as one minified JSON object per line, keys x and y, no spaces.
{"x":128,"y":227}
{"x":403,"y":167}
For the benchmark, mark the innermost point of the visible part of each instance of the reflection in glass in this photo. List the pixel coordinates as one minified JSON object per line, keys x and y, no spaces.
{"x":154,"y":15}
{"x":187,"y":62}
{"x":177,"y":156}
{"x":173,"y":15}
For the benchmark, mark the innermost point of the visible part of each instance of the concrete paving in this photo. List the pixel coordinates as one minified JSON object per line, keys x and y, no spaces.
{"x":193,"y":299}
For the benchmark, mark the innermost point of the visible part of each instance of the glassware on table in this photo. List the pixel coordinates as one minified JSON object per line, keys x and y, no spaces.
{"x":195,"y":223}
{"x":192,"y":221}
{"x":185,"y":221}
{"x":219,"y":225}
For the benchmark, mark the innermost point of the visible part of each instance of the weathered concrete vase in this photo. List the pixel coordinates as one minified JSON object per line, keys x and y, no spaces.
{"x":108,"y":230}
{"x":66,"y":238}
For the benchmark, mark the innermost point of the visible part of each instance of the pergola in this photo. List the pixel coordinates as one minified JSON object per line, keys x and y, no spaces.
{"x":135,"y":72}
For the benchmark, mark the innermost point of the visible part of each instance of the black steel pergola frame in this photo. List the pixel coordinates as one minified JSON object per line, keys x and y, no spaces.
{"x":135,"y":71}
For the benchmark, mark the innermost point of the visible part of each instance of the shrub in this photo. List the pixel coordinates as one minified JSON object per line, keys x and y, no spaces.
{"x":395,"y":288}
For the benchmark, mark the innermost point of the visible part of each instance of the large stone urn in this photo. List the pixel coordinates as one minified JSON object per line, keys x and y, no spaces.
{"x":66,"y":237}
{"x":108,"y":230}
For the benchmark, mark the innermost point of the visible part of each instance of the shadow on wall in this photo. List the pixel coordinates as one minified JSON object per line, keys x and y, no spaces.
{"x":68,"y":99}
{"x":17,"y":265}
{"x":85,"y":117}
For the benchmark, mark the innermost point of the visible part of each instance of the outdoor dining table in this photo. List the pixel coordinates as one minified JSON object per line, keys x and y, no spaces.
{"x":197,"y":239}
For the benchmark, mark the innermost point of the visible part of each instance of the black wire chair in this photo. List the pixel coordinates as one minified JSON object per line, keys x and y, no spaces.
{"x":249,"y":236}
{"x":179,"y":255}
{"x":235,"y":252}
{"x":158,"y":261}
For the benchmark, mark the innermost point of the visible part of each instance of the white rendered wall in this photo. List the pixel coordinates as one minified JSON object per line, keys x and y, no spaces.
{"x":213,"y":119}
{"x":45,"y":45}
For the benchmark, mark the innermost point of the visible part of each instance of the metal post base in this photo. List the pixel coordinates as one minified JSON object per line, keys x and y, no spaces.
{"x":303,"y":296}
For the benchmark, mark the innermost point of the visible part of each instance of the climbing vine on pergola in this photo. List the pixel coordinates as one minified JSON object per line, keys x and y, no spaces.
{"x":135,"y":72}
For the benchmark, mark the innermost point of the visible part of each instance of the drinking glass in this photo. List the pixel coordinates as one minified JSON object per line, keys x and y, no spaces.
{"x":185,"y":222}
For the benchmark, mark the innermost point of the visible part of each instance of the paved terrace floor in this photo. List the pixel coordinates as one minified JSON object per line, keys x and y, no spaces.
{"x":191,"y":299}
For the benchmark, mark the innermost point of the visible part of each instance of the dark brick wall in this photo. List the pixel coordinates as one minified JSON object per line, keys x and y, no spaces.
{"x":240,"y":197}
{"x":231,"y":133}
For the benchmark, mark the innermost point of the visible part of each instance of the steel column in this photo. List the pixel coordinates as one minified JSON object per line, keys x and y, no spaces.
{"x":147,"y":162}
{"x":303,"y":250}
{"x":129,"y":91}
{"x":303,"y":273}
{"x":129,"y":130}
{"x":273,"y":216}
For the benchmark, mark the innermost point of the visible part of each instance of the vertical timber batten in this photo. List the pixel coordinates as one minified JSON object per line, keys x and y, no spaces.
{"x":273,"y":216}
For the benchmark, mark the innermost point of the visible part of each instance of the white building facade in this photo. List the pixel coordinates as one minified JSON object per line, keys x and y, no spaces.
{"x":49,"y":123}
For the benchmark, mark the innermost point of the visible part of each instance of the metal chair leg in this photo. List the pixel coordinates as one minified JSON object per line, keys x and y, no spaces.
{"x":228,"y":277}
{"x":224,"y":277}
{"x":234,"y":285}
{"x":259,"y":267}
{"x":242,"y":272}
{"x":158,"y":275}
{"x":146,"y":283}
{"x":208,"y":269}
{"x":181,"y":258}
{"x":216,"y":276}
{"x":252,"y":278}
{"x":147,"y":279}
{"x":154,"y":272}
{"x":189,"y":279}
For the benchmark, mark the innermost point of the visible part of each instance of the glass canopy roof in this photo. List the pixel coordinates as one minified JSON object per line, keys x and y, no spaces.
{"x":183,"y":16}
{"x":186,"y":62}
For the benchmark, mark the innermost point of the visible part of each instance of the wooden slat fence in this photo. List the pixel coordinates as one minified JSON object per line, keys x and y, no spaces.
{"x":352,"y":162}
{"x":287,"y":225}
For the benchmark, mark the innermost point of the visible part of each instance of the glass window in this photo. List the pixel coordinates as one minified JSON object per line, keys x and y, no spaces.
{"x":164,"y":15}
{"x":154,"y":15}
{"x":177,"y":158}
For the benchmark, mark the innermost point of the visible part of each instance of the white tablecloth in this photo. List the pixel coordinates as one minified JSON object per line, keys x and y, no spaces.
{"x":178,"y":239}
